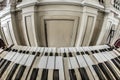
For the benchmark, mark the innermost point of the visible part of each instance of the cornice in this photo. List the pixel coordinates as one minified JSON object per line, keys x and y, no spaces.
{"x":75,"y":3}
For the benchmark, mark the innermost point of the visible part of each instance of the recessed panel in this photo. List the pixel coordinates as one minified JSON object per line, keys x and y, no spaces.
{"x":107,"y":31}
{"x":88,"y":31}
{"x":7,"y":35}
{"x":29,"y":30}
{"x":59,"y":33}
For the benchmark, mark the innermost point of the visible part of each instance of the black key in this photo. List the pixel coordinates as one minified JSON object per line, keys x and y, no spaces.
{"x":4,"y":67}
{"x":56,"y":54}
{"x":100,"y":50}
{"x":116,"y":63}
{"x":86,"y":52}
{"x":117,"y":60}
{"x":83,"y":74}
{"x":119,"y":57}
{"x":20,"y":72}
{"x":51,"y":54}
{"x":33,"y":53}
{"x":64,"y":54}
{"x":56,"y":74}
{"x":70,"y":54}
{"x":2,"y":62}
{"x":24,"y":52}
{"x":92,"y":52}
{"x":77,"y":53}
{"x":10,"y":75}
{"x":34,"y":74}
{"x":16,"y":50}
{"x":7,"y":49}
{"x":46,"y":54}
{"x":112,"y":70}
{"x":110,"y":49}
{"x":96,"y":51}
{"x":98,"y":71}
{"x":20,"y":51}
{"x":27,"y":52}
{"x":44,"y":74}
{"x":1,"y":59}
{"x":105,"y":49}
{"x":72,"y":74}
{"x":105,"y":71}
{"x":13,"y":50}
{"x":82,"y":53}
{"x":38,"y":53}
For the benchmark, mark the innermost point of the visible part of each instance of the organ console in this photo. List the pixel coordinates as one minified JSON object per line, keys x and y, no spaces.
{"x":69,"y":63}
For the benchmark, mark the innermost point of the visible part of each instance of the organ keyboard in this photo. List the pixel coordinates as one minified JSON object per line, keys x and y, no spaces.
{"x":69,"y":63}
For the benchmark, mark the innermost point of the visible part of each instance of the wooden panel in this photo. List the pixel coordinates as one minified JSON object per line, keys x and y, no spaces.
{"x":97,"y":28}
{"x":11,"y":27}
{"x":7,"y":35}
{"x":88,"y":31}
{"x":3,"y":36}
{"x":29,"y":30}
{"x":107,"y":31}
{"x":59,"y":32}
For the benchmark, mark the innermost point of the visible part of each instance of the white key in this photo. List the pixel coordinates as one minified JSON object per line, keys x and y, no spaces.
{"x":15,"y":57}
{"x":51,"y":61}
{"x":98,"y":58}
{"x":102,"y":57}
{"x":81,"y":61}
{"x":59,"y":65}
{"x":113,"y":54}
{"x":69,"y":65}
{"x":19,"y":58}
{"x":107,"y":56}
{"x":25,"y":56}
{"x":59,"y":62}
{"x":12,"y":55}
{"x":42,"y":62}
{"x":7,"y":56}
{"x":73,"y":62}
{"x":90,"y":63}
{"x":88,"y":60}
{"x":30,"y":60}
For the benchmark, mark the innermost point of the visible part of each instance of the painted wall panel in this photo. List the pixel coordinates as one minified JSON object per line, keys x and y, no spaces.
{"x":7,"y":34}
{"x":29,"y":30}
{"x":59,"y":33}
{"x":88,"y":30}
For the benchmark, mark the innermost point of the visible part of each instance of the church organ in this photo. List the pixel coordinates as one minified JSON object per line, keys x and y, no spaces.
{"x":60,"y":39}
